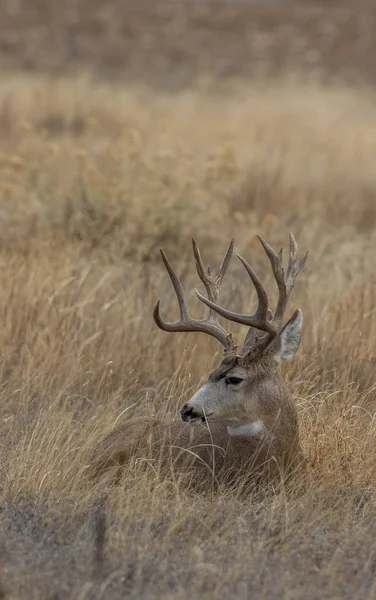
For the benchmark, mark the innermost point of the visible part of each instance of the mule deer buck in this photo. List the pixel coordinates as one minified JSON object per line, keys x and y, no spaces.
{"x":246,"y":421}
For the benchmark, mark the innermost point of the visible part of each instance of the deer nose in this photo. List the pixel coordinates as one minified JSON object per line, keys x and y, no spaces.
{"x":188,"y":413}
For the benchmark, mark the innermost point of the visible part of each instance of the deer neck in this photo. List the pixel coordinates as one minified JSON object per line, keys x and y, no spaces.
{"x":251,"y":429}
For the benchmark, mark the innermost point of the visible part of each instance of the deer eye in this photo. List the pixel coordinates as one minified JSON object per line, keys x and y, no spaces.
{"x":233,"y":380}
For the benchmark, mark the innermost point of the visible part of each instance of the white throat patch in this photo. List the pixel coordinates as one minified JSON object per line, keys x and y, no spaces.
{"x":249,"y":429}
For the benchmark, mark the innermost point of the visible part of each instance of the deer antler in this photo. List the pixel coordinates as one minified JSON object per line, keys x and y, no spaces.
{"x":286,"y":282}
{"x":212,"y":284}
{"x":263,"y":319}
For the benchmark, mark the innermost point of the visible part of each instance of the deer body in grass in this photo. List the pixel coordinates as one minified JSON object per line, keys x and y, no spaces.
{"x":243,"y":419}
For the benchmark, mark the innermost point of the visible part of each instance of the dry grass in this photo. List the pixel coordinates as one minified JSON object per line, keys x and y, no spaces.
{"x":93,"y":180}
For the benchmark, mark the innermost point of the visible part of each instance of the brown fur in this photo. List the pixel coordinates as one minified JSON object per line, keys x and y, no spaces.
{"x":251,"y":425}
{"x":207,"y":454}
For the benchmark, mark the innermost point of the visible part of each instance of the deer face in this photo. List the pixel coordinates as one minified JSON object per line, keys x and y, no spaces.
{"x":227,"y":387}
{"x":234,"y":392}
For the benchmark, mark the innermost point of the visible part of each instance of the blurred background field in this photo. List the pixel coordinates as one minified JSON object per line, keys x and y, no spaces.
{"x":172,"y":43}
{"x":130,"y":126}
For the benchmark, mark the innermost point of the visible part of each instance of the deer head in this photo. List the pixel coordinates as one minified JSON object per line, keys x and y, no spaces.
{"x":245,"y":389}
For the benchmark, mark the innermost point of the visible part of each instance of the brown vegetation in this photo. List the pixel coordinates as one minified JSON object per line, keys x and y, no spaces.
{"x":95,"y":177}
{"x":93,"y":180}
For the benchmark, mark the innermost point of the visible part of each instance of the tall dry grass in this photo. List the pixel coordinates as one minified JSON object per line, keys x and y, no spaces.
{"x":94,"y":180}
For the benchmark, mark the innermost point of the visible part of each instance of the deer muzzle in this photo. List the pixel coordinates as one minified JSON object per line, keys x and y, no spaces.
{"x":189,"y":414}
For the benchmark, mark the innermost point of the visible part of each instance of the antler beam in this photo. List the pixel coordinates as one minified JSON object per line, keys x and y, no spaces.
{"x":209,"y":325}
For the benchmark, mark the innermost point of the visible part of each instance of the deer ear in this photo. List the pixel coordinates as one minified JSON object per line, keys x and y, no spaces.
{"x":289,"y":338}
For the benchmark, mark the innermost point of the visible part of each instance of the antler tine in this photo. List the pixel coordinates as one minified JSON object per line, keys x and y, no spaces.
{"x":286,"y":282}
{"x":294,"y":266}
{"x":179,"y":291}
{"x":225,"y":262}
{"x":209,"y":325}
{"x":212,"y":284}
{"x":259,"y":320}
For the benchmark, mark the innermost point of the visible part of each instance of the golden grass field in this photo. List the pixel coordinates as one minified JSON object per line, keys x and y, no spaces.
{"x":95,"y":178}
